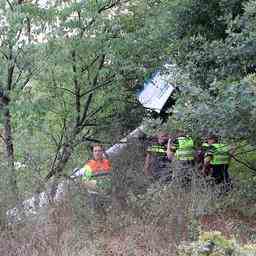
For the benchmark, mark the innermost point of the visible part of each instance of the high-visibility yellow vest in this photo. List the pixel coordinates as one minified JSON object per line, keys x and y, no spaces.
{"x":185,"y":149}
{"x":219,"y":153}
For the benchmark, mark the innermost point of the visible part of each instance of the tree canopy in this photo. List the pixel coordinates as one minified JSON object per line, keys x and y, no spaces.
{"x":213,"y":45}
{"x":69,"y":71}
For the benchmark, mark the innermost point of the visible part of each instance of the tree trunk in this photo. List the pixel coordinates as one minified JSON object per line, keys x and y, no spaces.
{"x":9,"y":151}
{"x":61,"y":162}
{"x":59,"y":167}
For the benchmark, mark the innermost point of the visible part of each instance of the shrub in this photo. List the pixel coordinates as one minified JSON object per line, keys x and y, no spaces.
{"x":215,"y":244}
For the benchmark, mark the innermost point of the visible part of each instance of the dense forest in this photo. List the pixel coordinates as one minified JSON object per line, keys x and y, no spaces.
{"x":69,"y":75}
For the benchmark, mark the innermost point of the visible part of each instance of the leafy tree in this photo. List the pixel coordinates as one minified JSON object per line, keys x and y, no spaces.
{"x":17,"y":68}
{"x":217,"y":90}
{"x":77,"y":65}
{"x":104,"y":58}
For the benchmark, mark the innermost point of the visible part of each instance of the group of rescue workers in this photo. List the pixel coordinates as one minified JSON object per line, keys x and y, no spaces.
{"x":210,"y":160}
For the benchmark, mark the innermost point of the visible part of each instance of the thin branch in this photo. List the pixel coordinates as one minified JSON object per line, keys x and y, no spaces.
{"x":29,"y":29}
{"x":60,"y":88}
{"x":107,"y":7}
{"x":19,"y":34}
{"x":84,"y":124}
{"x":86,"y":108}
{"x":91,"y":140}
{"x":87,"y":66}
{"x":244,"y":152}
{"x":98,"y":86}
{"x":18,"y":52}
{"x":17,"y":66}
{"x":10,"y":77}
{"x":95,"y":80}
{"x":3,"y":138}
{"x":77,"y":88}
{"x":102,"y":9}
{"x":67,"y":90}
{"x":78,"y":141}
{"x":58,"y":146}
{"x":4,"y":54}
{"x":88,"y":102}
{"x":55,"y":139}
{"x":26,"y":81}
{"x":96,"y":111}
{"x":243,"y":163}
{"x":9,"y":3}
{"x":18,"y":77}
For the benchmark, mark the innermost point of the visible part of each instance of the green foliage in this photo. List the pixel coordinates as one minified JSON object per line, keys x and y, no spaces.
{"x":215,"y":244}
{"x":217,"y":93}
{"x":71,"y":70}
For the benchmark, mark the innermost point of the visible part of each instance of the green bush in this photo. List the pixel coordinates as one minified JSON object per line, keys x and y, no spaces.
{"x":215,"y":244}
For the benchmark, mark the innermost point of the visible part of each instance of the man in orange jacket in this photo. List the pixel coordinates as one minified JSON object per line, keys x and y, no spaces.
{"x":97,"y":175}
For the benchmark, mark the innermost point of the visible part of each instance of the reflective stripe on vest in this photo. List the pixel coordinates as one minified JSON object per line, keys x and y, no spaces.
{"x":185,"y":149}
{"x":205,"y":145}
{"x":157,"y":149}
{"x":220,"y":154}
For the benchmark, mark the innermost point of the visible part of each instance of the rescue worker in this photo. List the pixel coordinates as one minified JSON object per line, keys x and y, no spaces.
{"x":181,"y":147}
{"x":181,"y":150}
{"x":157,"y":164}
{"x":216,"y":160}
{"x":97,"y":176}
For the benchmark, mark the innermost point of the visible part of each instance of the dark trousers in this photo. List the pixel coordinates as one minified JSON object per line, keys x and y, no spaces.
{"x":220,"y":173}
{"x":221,"y":177}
